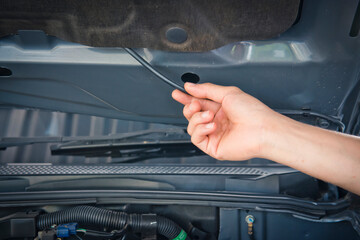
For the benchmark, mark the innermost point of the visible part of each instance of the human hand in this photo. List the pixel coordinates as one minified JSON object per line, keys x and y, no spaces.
{"x":225,"y":122}
{"x":228,"y":124}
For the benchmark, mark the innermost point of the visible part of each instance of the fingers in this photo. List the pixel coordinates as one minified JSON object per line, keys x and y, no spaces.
{"x":210,"y":91}
{"x":181,"y":97}
{"x":190,"y":109}
{"x":200,"y":126}
{"x":186,"y":99}
{"x":200,"y":134}
{"x":199,"y":118}
{"x":199,"y":113}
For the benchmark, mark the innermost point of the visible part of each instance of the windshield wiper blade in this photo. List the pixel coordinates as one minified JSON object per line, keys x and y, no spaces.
{"x":6,"y":142}
{"x":130,"y":152}
{"x":128,"y":147}
{"x":141,"y":145}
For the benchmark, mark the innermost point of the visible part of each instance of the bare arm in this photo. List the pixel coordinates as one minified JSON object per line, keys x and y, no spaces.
{"x":327,"y":155}
{"x":229,"y":124}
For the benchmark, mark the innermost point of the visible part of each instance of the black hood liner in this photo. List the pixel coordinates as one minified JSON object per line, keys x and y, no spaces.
{"x":209,"y":24}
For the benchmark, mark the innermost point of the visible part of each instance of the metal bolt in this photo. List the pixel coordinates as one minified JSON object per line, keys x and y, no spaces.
{"x":249,"y":219}
{"x":323,"y":123}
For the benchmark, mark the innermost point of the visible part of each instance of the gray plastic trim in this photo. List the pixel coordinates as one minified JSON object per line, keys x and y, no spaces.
{"x":48,"y":169}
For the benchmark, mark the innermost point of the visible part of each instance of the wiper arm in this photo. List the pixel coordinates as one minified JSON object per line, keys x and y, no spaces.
{"x":21,"y":141}
{"x":128,"y":147}
{"x":141,"y":145}
{"x":132,"y":151}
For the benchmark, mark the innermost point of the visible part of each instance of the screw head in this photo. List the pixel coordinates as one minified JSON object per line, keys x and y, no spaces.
{"x":323,"y":123}
{"x":249,"y":219}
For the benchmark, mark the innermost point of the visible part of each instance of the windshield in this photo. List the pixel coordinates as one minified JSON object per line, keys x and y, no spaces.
{"x":35,"y":123}
{"x":38,"y":136}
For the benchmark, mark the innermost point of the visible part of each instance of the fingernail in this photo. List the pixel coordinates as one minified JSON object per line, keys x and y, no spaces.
{"x":205,"y":114}
{"x":209,"y":125}
{"x":191,"y":107}
{"x":190,"y":84}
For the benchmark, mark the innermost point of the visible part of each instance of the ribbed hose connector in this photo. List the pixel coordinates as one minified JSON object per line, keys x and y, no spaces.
{"x":112,"y":220}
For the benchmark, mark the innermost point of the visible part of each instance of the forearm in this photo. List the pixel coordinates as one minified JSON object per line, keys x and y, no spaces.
{"x":326,"y":155}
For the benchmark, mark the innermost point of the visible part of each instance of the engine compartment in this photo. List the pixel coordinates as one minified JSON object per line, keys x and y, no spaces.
{"x":157,"y":206}
{"x":309,"y":71}
{"x":147,"y":221}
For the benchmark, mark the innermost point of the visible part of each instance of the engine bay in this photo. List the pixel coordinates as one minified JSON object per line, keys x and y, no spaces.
{"x":179,"y":222}
{"x":93,"y":146}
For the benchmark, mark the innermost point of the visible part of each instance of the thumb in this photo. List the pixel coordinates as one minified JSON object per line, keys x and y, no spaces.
{"x":210,"y":91}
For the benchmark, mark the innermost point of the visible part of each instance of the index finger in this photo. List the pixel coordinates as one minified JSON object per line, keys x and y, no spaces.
{"x":181,"y":97}
{"x":186,"y":99}
{"x":210,"y":91}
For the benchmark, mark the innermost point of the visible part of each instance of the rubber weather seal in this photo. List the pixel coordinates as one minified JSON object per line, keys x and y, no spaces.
{"x":153,"y":70}
{"x":278,"y":203}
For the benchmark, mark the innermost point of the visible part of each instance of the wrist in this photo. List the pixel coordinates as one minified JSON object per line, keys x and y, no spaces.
{"x":273,"y":138}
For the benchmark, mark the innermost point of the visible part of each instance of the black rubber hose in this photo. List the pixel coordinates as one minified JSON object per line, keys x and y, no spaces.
{"x":112,"y":220}
{"x":167,"y":228}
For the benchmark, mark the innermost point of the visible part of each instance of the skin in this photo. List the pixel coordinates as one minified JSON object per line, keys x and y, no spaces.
{"x":228,"y":124}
